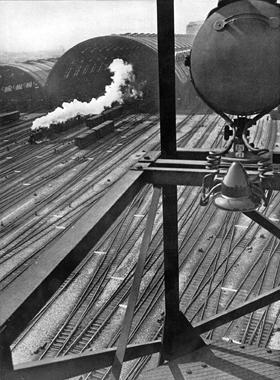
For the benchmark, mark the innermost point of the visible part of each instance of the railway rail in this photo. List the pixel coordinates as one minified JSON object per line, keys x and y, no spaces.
{"x":30,"y":231}
{"x":208,"y":259}
{"x":68,"y":194}
{"x":104,"y":151}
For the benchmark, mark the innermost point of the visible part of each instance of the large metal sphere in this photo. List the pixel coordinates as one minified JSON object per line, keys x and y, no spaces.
{"x":235,"y":58}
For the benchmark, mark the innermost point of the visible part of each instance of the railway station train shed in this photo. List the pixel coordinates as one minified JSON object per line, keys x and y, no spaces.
{"x":22,"y":84}
{"x":82,"y":72}
{"x":109,"y":255}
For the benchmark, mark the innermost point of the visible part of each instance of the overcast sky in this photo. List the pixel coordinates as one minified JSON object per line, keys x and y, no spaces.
{"x":43,"y":25}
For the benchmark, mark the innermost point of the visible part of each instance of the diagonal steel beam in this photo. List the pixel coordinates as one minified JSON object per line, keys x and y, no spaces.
{"x":264,"y":222}
{"x":247,"y":307}
{"x":25,"y":296}
{"x":123,"y":340}
{"x":73,"y":365}
{"x":68,"y":366}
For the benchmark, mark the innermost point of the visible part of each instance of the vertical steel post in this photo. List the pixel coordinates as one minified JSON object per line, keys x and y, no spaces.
{"x":179,"y":335}
{"x":165,"y":14}
{"x":170,"y":246}
{"x":166,"y":66}
{"x":166,"y":56}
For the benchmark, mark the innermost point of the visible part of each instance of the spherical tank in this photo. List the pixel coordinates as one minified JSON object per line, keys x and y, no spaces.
{"x":235,"y":58}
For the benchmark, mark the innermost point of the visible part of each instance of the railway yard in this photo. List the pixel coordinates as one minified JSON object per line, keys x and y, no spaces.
{"x":225,"y":259}
{"x":139,"y":190}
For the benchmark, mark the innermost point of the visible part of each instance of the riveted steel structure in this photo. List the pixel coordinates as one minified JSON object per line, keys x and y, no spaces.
{"x":22,"y":84}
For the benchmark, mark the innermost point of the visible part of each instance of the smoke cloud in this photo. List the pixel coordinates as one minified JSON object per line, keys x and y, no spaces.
{"x":122,"y":79}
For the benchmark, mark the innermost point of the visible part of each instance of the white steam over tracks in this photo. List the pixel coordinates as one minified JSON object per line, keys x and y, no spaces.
{"x":123,"y":78}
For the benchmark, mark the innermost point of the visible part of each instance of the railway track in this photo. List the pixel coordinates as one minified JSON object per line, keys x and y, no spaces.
{"x":68,"y":194}
{"x":193,"y":227}
{"x":14,"y":136}
{"x":259,"y":327}
{"x":208,"y":257}
{"x":30,"y":232}
{"x":122,"y":246}
{"x":55,"y":154}
{"x":90,"y":165}
{"x":94,"y":325}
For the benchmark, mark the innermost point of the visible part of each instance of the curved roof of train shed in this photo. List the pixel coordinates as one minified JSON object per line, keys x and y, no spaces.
{"x":87,"y":63}
{"x":38,"y":71}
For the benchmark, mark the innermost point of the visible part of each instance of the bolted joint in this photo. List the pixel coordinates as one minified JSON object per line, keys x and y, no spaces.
{"x":227,"y":132}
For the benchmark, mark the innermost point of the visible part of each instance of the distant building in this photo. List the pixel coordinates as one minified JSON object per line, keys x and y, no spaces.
{"x":192,"y":29}
{"x":22,"y":84}
{"x":82,"y":72}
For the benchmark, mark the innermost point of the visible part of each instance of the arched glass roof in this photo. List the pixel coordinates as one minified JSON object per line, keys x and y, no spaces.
{"x":37,"y":70}
{"x":82,"y":72}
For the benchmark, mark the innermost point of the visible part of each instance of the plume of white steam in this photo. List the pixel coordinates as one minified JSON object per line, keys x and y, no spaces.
{"x":123,"y":76}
